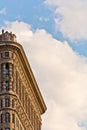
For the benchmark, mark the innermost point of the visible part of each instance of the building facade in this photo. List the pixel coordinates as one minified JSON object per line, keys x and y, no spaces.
{"x":21,"y":103}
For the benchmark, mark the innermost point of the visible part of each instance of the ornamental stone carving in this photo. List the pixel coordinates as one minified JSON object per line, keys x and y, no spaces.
{"x":6,"y":36}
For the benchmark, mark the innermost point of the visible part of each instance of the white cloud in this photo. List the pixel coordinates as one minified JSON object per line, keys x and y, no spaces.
{"x":61,"y":75}
{"x":18,"y":29}
{"x":71,"y":17}
{"x":3,"y":11}
{"x":42,"y":19}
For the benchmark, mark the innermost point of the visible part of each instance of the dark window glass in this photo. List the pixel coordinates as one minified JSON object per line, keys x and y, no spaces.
{"x":1,"y":101}
{"x":1,"y":55}
{"x":6,"y":54}
{"x":7,"y":117}
{"x":7,"y":85}
{"x":7,"y":69}
{"x":7,"y":102}
{"x":2,"y":69}
{"x":2,"y":86}
{"x":1,"y":118}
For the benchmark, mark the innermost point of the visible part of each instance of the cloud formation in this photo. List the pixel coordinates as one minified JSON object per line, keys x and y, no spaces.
{"x":71,"y":17}
{"x":61,"y":75}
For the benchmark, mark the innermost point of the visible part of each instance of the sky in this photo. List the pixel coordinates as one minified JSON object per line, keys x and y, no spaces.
{"x":54,"y":36}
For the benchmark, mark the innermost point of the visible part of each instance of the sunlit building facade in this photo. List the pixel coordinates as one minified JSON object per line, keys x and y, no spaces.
{"x":21,"y":103}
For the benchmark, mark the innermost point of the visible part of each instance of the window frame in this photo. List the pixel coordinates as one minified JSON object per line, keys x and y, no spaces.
{"x":7,"y":101}
{"x":6,"y":54}
{"x":7,"y":117}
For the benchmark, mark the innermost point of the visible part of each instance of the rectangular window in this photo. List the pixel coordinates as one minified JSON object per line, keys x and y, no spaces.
{"x":7,"y":85}
{"x":1,"y":55}
{"x":1,"y":118}
{"x":2,"y":87}
{"x":7,"y":69}
{"x":7,"y":117}
{"x":6,"y":54}
{"x":7,"y":102}
{"x":1,"y":103}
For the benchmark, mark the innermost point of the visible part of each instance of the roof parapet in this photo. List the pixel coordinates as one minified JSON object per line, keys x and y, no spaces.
{"x":6,"y":36}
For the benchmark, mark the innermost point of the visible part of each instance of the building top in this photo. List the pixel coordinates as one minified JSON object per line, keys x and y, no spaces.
{"x":6,"y":36}
{"x":9,"y":40}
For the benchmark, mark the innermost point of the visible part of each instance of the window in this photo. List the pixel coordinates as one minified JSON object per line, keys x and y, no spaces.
{"x":1,"y":118}
{"x":7,"y":117}
{"x":1,"y":55}
{"x":1,"y":103}
{"x":2,"y":69}
{"x":2,"y":87}
{"x":7,"y":128}
{"x":6,"y":54}
{"x":7,"y":85}
{"x":7,"y":69}
{"x":7,"y":102}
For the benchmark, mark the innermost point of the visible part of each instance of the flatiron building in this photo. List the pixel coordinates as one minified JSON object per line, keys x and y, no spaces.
{"x":21,"y":103}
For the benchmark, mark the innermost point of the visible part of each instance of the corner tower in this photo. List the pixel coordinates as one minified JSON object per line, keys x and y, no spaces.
{"x":21,"y":103}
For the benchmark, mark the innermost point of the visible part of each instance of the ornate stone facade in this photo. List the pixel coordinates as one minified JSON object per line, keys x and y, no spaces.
{"x":21,"y":103}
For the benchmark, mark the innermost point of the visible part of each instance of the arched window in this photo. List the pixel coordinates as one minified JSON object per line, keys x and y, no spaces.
{"x":7,"y":117}
{"x":1,"y":118}
{"x":7,"y":102}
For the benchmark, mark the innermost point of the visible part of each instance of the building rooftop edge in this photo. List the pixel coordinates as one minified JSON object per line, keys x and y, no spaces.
{"x":6,"y":36}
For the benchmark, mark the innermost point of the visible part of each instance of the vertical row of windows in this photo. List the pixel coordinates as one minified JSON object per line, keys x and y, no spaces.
{"x":6,"y":102}
{"x":6,"y":74}
{"x":7,"y":118}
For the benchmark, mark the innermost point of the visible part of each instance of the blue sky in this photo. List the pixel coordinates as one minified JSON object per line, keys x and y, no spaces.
{"x":39,"y":15}
{"x":54,"y":36}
